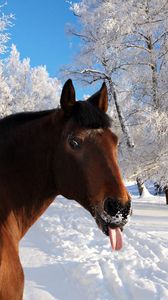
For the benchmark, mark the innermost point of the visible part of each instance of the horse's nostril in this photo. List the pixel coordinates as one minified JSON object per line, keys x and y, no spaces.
{"x":111,"y":206}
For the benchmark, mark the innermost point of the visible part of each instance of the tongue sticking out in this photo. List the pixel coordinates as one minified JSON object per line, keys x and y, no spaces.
{"x":116,"y":238}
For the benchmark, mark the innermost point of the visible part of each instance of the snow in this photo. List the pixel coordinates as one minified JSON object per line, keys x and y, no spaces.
{"x":66,"y":257}
{"x":145,"y":192}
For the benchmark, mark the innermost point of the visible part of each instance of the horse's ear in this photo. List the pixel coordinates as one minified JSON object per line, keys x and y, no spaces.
{"x":67,"y":100}
{"x":100,"y":99}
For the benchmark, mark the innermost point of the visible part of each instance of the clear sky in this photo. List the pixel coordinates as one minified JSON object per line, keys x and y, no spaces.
{"x":40,"y":33}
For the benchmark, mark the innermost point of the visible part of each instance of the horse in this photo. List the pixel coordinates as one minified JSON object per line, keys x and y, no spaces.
{"x":70,"y":150}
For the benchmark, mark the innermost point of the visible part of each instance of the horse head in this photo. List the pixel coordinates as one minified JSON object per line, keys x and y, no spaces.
{"x":87,"y":167}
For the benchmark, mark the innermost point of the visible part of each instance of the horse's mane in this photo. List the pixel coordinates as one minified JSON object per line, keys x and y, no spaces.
{"x":89,"y":116}
{"x":17,"y":119}
{"x":83,"y":113}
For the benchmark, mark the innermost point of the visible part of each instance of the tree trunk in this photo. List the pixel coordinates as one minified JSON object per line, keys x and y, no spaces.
{"x":140,"y":185}
{"x":166,"y":193}
{"x":153,"y":66}
{"x":121,"y":118}
{"x":154,"y":87}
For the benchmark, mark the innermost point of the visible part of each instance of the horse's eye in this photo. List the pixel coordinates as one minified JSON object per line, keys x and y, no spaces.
{"x":74,"y":143}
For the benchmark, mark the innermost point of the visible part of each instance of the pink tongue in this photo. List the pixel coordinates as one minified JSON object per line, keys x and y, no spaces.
{"x":116,"y":238}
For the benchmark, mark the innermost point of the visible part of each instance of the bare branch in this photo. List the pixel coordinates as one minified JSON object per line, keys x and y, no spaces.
{"x":160,"y":37}
{"x":138,"y":47}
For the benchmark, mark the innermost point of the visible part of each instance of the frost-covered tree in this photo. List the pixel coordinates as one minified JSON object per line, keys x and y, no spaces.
{"x":21,"y":86}
{"x":45,"y":90}
{"x":5,"y":24}
{"x":125,"y":43}
{"x":147,"y":48}
{"x":101,"y":36}
{"x":5,"y":94}
{"x":25,"y":88}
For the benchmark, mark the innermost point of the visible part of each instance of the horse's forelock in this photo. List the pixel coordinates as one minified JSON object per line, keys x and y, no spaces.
{"x":88,"y":116}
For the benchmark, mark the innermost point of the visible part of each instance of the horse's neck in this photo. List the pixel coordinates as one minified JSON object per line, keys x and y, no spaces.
{"x":11,"y":273}
{"x":30,"y":184}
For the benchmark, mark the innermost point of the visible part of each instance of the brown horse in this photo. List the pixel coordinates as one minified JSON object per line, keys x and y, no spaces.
{"x":70,"y":151}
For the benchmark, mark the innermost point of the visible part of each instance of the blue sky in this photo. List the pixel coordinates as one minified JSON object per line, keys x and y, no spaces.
{"x":40,"y":33}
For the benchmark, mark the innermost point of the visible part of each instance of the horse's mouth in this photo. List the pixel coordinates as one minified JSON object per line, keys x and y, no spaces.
{"x":103,"y":225}
{"x":112,"y":227}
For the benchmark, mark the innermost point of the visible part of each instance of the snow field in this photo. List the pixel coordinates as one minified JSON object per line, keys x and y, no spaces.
{"x":66,"y":257}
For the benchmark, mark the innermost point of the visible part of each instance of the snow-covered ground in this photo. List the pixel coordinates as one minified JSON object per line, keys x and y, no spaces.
{"x":66,"y":257}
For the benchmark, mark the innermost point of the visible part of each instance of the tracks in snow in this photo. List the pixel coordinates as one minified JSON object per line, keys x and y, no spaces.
{"x":66,"y":257}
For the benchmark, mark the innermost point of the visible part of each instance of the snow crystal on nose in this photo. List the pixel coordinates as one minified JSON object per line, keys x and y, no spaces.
{"x":118,"y":219}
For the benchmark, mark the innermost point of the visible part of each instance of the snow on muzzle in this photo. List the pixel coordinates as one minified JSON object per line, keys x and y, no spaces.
{"x":112,"y":220}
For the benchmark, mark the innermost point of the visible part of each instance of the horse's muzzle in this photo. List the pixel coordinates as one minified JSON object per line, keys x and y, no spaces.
{"x":114,"y":215}
{"x":114,"y":207}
